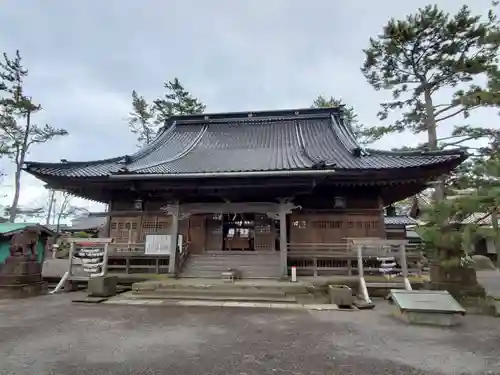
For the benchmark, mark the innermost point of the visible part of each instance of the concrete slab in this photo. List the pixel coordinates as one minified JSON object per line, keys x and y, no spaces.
{"x":325,"y":307}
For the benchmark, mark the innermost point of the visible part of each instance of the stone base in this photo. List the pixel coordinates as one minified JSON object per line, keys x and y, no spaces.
{"x":340,"y":295}
{"x":428,"y":318}
{"x":20,"y":279}
{"x":102,"y":286}
{"x":496,"y":305}
{"x":20,"y":266}
{"x":23,"y":290}
{"x":460,"y":282}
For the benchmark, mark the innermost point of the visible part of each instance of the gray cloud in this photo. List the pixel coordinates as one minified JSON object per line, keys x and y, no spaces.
{"x":85,"y":58}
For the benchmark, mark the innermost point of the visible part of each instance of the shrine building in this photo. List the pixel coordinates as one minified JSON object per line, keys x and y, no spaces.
{"x":251,"y":190}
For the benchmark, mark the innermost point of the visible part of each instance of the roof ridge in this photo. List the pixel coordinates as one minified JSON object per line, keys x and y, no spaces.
{"x":455,"y":151}
{"x":338,"y":125}
{"x":179,"y":155}
{"x":256,"y":114}
{"x":155,"y":144}
{"x":70,"y":163}
{"x":300,"y":138}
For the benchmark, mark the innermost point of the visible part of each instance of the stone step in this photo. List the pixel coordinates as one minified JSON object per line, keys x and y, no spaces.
{"x":194,"y":268}
{"x":208,"y":297}
{"x":217,"y":275}
{"x":389,"y":285}
{"x":234,"y":292}
{"x":250,"y":270}
{"x":262,"y":286}
{"x":242,"y":260}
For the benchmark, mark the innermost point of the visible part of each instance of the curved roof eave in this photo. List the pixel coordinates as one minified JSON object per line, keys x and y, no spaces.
{"x":309,"y":141}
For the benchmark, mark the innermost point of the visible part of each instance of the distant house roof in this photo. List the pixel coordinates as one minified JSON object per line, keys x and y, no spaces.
{"x":54,"y":227}
{"x":399,"y":220}
{"x":411,"y":234}
{"x":88,"y":223}
{"x":7,"y":229}
{"x":479,"y":218}
{"x":295,"y":141}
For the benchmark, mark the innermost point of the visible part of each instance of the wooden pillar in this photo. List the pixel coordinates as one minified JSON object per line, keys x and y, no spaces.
{"x":107,"y":230}
{"x":174,"y":232}
{"x":283,"y":241}
{"x":404,"y":266}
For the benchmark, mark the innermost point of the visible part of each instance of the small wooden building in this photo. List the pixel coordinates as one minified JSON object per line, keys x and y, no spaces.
{"x":8,"y":230}
{"x":265,"y":184}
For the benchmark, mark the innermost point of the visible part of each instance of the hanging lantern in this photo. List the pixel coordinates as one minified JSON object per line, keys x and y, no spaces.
{"x":339,"y":202}
{"x":138,"y":204}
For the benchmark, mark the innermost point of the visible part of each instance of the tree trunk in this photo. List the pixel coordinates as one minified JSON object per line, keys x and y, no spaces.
{"x":58,"y":225}
{"x":17,"y":190}
{"x":496,"y":238}
{"x":51,"y":204}
{"x":430,"y":124}
{"x":20,"y":157}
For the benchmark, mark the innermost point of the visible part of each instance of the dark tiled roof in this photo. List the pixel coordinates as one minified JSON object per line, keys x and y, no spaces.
{"x":91,"y":222}
{"x":264,"y":141}
{"x":399,"y":220}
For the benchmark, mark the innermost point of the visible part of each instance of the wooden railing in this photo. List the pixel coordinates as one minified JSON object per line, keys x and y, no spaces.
{"x":129,"y":258}
{"x":316,"y":259}
{"x":127,"y":248}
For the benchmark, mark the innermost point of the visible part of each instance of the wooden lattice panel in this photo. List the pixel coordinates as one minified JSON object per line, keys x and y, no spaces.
{"x":155,"y":225}
{"x":125,"y":229}
{"x":264,"y":233}
{"x":333,"y":228}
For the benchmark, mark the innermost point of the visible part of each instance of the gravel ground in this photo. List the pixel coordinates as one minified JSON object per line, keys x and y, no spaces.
{"x":49,"y":335}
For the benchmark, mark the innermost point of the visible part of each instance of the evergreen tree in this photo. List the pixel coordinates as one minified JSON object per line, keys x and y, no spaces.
{"x":17,"y":132}
{"x":350,"y":117}
{"x":452,"y":242}
{"x":429,"y":53}
{"x":141,"y":119}
{"x":176,"y":101}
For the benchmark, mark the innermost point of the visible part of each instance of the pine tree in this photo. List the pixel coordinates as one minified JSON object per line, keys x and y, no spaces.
{"x":176,"y":101}
{"x":17,"y":132}
{"x":350,"y":117}
{"x":465,"y":216}
{"x":431,"y":52}
{"x":141,"y":120}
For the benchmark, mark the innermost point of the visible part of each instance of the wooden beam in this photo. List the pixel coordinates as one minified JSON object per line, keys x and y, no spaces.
{"x":174,"y":232}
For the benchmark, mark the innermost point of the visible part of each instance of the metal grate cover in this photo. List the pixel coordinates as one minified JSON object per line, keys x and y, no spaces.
{"x":426,"y":301}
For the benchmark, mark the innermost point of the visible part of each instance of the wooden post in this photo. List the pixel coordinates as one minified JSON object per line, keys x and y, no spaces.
{"x":174,"y":232}
{"x":361,"y":275}
{"x":107,"y":227}
{"x":404,"y":266}
{"x":283,"y":241}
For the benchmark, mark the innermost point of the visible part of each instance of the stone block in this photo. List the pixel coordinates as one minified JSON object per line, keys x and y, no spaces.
{"x":22,"y":290}
{"x":428,"y":318}
{"x":496,"y":304}
{"x":340,"y":295}
{"x":21,"y":276}
{"x":104,"y":286}
{"x":19,"y":279}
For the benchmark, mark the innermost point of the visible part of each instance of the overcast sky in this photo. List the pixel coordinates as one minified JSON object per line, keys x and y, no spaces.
{"x":85,"y":58}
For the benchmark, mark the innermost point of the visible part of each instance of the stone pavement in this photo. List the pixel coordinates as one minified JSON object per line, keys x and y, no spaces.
{"x":490,"y":280}
{"x":49,"y":335}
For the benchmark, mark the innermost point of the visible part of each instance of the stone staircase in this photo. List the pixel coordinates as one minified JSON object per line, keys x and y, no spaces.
{"x":249,"y":265}
{"x":215,"y":292}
